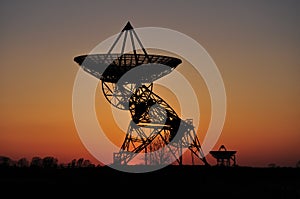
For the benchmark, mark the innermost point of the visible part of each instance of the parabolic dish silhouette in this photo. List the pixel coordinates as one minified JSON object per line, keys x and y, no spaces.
{"x":111,"y":67}
{"x":222,"y":154}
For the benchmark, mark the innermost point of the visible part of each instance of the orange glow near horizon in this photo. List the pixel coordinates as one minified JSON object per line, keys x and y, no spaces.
{"x":257,"y":58}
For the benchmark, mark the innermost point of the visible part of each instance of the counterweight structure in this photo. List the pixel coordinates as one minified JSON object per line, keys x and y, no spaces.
{"x":155,"y":126}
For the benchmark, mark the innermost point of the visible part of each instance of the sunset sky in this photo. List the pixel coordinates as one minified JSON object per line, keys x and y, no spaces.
{"x":255,"y":45}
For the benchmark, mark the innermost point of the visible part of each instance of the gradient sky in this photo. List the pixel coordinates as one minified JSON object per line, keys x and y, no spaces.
{"x":255,"y":44}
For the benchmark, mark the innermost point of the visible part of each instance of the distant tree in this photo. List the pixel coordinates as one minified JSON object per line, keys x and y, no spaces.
{"x":49,"y":162}
{"x":36,"y":162}
{"x":272,"y":165}
{"x":23,"y":162}
{"x":73,"y":163}
{"x":63,"y":165}
{"x":298,"y":164}
{"x":79,"y":162}
{"x":5,"y":161}
{"x":87,"y":163}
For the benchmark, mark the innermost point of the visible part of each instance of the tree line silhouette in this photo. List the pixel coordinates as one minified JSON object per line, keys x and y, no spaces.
{"x":52,"y":162}
{"x":45,"y":162}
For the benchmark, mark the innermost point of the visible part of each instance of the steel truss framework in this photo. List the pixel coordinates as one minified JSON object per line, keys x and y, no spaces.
{"x":153,"y":119}
{"x":154,"y":123}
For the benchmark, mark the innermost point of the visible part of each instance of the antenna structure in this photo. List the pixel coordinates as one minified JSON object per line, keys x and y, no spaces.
{"x":155,"y":129}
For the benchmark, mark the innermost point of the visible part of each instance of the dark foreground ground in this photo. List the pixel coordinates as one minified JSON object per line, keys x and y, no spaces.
{"x":168,"y":182}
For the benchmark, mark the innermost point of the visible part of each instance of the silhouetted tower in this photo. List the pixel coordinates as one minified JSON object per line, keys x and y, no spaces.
{"x":224,"y":157}
{"x":152,"y":117}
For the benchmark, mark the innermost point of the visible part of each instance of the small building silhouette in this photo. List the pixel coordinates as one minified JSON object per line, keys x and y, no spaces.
{"x":224,"y":157}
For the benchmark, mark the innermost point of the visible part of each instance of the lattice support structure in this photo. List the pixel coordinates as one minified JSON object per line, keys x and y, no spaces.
{"x":136,"y":141}
{"x":155,"y":125}
{"x":154,"y":143}
{"x":166,"y":131}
